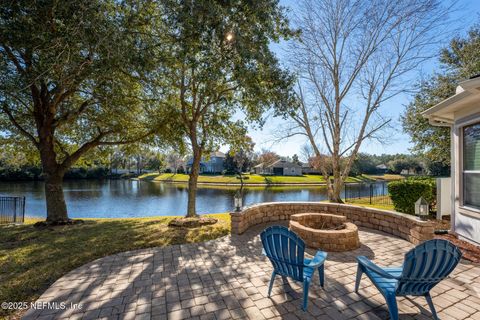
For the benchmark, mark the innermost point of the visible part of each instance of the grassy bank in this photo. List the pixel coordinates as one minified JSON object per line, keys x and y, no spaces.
{"x":257,"y":179}
{"x":32,"y":259}
{"x":377,"y":203}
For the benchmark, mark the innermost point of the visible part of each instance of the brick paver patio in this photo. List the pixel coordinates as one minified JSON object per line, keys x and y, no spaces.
{"x":227,"y":279}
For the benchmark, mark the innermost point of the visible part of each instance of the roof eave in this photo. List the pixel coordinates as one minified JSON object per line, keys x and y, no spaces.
{"x":443,"y":112}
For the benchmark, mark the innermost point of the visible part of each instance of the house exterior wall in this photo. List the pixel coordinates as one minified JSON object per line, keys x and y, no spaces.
{"x":263,"y":170}
{"x":466,"y":221}
{"x":444,"y":199}
{"x":458,"y":111}
{"x":292,"y":171}
{"x":280,"y":168}
{"x":214,"y":165}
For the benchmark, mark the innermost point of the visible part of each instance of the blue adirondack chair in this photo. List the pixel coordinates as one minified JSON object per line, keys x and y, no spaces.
{"x":424,"y":266}
{"x":286,"y":252}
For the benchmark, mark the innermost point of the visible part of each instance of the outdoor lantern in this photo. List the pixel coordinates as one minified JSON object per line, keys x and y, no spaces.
{"x":421,"y":208}
{"x":238,"y":201}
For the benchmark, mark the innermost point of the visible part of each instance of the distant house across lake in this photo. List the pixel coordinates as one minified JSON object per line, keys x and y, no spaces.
{"x":308,"y":169}
{"x":279,"y":168}
{"x":381,"y":168}
{"x":212,"y":164}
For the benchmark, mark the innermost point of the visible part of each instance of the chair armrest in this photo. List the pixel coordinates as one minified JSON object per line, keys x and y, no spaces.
{"x":366,"y":263}
{"x":317,"y":260}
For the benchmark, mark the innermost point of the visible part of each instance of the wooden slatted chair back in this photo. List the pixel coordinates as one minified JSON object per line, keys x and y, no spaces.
{"x":426,"y":265}
{"x":285,"y":250}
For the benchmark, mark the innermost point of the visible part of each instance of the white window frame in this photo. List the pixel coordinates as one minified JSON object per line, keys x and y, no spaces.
{"x":465,"y":208}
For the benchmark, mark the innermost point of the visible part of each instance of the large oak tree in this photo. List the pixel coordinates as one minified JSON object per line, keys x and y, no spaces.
{"x":219,"y":66}
{"x":68,"y":81}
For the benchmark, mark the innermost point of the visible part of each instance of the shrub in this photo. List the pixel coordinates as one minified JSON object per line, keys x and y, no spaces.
{"x":405,"y":193}
{"x":10,"y":173}
{"x":416,"y":178}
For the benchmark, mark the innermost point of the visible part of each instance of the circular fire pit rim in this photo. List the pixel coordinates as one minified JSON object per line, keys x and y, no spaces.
{"x":329,"y":240}
{"x":348,"y":228}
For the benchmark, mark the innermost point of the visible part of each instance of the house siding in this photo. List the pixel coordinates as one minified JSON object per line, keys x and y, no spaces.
{"x":213,"y":165}
{"x":292,"y":171}
{"x":280,"y":168}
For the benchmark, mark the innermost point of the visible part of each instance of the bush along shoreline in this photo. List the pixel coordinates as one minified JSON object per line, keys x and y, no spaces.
{"x":32,"y":173}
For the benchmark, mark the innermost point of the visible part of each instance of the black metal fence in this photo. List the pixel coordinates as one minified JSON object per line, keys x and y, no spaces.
{"x":12,"y":209}
{"x":369,"y":193}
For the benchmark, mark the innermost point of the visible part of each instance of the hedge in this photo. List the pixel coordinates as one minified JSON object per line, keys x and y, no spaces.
{"x":405,"y":193}
{"x":28,"y":173}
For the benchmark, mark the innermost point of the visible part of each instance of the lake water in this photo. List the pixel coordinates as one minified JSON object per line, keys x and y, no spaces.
{"x":130,"y":198}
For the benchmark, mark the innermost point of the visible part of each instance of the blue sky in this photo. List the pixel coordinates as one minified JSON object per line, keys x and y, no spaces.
{"x":467,"y":14}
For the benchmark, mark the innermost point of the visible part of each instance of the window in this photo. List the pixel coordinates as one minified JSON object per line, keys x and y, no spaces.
{"x":471,"y":166}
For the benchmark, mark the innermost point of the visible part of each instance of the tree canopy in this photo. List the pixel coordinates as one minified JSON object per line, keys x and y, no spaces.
{"x":459,"y":61}
{"x":218,"y":65}
{"x":69,"y":81}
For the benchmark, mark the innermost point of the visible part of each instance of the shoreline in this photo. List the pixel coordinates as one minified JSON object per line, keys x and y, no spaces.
{"x":305,"y":184}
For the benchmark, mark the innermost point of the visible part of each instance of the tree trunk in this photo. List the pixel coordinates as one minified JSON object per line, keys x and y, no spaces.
{"x":337,"y":183}
{"x":56,"y":206}
{"x":192,"y":182}
{"x":241,"y":180}
{"x":335,"y":191}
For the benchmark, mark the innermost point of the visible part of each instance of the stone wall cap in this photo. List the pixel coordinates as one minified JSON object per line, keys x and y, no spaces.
{"x":317,"y":214}
{"x":409,"y":217}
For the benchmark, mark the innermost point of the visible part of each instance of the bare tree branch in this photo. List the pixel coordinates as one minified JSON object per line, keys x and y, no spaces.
{"x":351,"y":57}
{"x":22,"y":130}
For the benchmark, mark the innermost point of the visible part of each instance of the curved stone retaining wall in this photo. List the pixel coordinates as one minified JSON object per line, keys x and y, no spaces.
{"x":402,"y":225}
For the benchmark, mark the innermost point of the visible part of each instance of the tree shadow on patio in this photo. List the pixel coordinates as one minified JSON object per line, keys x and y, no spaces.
{"x":224,"y":278}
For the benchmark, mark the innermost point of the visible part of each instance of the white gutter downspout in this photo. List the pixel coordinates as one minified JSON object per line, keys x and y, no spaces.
{"x":452,"y":180}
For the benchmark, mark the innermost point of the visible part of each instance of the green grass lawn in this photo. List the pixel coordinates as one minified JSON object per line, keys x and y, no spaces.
{"x":376,"y":203}
{"x":384,"y":177}
{"x":31,"y":259}
{"x":251,"y":178}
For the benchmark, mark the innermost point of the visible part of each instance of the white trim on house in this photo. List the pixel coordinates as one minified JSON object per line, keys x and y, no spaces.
{"x":459,"y":126}
{"x":444,"y":113}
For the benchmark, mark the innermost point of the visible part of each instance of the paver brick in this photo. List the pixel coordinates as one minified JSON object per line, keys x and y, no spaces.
{"x":227,"y":279}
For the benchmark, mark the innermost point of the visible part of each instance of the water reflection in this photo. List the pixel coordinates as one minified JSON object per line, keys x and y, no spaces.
{"x":127,"y":198}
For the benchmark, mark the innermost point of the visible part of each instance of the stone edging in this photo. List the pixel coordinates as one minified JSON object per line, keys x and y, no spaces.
{"x":327,"y":240}
{"x":405,"y":226}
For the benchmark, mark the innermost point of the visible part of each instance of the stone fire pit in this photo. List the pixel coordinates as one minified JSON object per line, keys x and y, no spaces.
{"x":325,"y":231}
